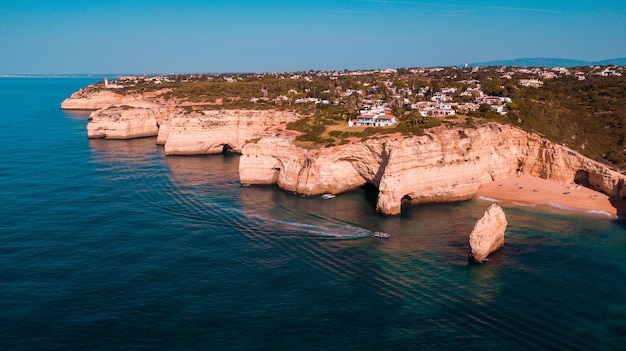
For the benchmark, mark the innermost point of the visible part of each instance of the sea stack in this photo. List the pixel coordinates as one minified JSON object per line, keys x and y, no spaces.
{"x":488,"y":234}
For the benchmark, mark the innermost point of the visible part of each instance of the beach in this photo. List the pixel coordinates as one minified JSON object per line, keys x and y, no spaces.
{"x":527,"y":190}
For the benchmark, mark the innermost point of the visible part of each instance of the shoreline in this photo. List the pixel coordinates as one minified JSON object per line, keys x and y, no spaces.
{"x":533,"y":191}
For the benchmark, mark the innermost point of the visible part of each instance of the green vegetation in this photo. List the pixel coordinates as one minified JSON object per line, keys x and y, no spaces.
{"x":582,"y":108}
{"x":123,"y":107}
{"x":588,"y":116}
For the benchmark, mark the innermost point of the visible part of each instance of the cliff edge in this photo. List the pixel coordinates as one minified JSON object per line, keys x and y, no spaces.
{"x":444,"y":165}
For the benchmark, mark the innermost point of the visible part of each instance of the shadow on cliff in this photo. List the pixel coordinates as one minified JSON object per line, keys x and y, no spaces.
{"x":371,"y":194}
{"x":620,"y":206}
{"x":582,"y":178}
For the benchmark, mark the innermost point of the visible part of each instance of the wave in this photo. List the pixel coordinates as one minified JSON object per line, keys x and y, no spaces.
{"x":559,"y":206}
{"x":574,"y":209}
{"x":484,"y":198}
{"x":602,"y":213}
{"x":524,"y":205}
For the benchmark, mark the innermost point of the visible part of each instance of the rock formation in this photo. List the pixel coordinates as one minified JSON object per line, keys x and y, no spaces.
{"x":308,"y":171}
{"x":122,"y":123}
{"x":209,"y":132}
{"x":83,"y":100}
{"x":446,"y":164}
{"x":488,"y":234}
{"x":443,"y":166}
{"x":95,"y":99}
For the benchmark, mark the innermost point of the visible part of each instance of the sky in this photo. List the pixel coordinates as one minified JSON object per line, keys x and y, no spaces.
{"x":162,"y":36}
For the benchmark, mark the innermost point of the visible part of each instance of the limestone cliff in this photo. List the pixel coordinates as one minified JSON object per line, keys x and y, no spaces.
{"x":91,"y":98}
{"x":122,"y":123}
{"x":309,"y":171}
{"x":447,"y":164}
{"x":488,"y":234}
{"x":209,"y":132}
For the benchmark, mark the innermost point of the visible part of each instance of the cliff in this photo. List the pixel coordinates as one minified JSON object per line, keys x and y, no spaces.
{"x":488,"y":234}
{"x":447,"y":164}
{"x":92,"y":99}
{"x":444,"y":165}
{"x":122,"y":123}
{"x":210,"y":132}
{"x":181,"y":132}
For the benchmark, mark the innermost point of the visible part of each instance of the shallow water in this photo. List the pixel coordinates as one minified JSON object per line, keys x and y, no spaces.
{"x":112,"y":245}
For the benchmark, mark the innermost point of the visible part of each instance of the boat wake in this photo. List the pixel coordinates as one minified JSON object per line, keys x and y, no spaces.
{"x":329,"y":228}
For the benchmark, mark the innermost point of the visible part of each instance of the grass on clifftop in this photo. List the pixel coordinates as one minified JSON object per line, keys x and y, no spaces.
{"x":582,"y":108}
{"x":328,"y":126}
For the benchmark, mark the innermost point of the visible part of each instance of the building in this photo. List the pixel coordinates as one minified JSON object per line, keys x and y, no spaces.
{"x":376,"y":117}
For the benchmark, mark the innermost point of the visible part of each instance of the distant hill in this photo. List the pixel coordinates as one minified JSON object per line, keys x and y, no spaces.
{"x":550,"y":62}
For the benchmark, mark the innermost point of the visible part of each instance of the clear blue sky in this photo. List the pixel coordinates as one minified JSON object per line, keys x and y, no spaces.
{"x":161,"y":36}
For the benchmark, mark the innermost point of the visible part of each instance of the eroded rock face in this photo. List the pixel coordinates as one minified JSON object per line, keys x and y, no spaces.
{"x":83,"y":100}
{"x":122,"y":123}
{"x":209,"y":132}
{"x":447,"y":164}
{"x":488,"y":234}
{"x":92,"y":98}
{"x":307,"y":171}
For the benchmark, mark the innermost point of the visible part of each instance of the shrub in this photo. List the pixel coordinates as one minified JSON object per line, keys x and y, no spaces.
{"x":335,"y":133}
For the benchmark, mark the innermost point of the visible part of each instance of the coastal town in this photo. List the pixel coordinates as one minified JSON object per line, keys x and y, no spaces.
{"x":378,"y":98}
{"x":576,"y":107}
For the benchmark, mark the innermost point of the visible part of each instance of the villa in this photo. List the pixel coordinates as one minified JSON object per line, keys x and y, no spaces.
{"x":375,"y":117}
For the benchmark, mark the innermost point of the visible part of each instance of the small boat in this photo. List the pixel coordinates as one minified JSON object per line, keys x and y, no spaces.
{"x":327,"y":196}
{"x":382,"y":235}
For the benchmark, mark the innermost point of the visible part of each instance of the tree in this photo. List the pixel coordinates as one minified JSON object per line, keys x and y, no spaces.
{"x":484,"y":108}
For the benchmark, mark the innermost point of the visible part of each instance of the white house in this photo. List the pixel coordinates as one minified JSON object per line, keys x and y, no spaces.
{"x":435,"y":110}
{"x":376,"y":117}
{"x":501,"y":109}
{"x":493,"y":100}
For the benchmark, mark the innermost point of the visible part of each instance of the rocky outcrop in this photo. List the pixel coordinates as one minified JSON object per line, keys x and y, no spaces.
{"x":447,"y":164}
{"x":488,"y":234}
{"x":184,"y":133}
{"x":85,"y":99}
{"x":309,"y":171}
{"x":122,"y":123}
{"x":210,"y":132}
{"x":94,"y":98}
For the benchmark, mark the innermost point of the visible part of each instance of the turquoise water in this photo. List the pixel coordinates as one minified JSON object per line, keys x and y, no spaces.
{"x":110,"y":245}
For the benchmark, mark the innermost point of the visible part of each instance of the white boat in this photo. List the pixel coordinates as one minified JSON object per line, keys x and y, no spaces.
{"x":382,"y":235}
{"x":328,"y":196}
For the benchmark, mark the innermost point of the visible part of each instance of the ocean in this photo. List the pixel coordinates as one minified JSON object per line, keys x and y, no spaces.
{"x":111,"y":245}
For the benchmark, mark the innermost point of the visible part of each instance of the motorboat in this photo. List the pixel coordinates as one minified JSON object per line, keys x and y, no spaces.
{"x":382,"y":235}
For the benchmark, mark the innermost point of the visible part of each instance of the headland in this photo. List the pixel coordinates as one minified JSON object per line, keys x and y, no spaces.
{"x":332,"y":142}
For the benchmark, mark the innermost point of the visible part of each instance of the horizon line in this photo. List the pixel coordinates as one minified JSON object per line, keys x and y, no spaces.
{"x":473,"y":64}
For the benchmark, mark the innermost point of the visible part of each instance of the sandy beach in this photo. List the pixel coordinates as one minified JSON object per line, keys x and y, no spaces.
{"x":526,"y":190}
